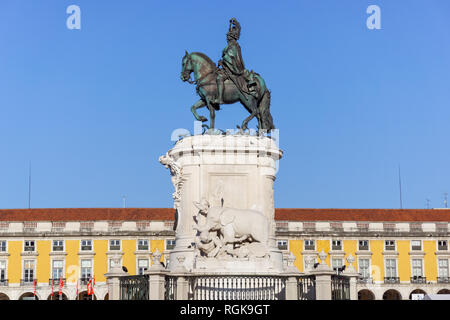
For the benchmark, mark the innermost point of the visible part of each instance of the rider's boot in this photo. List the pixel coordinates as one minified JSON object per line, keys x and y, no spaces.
{"x":220,"y":84}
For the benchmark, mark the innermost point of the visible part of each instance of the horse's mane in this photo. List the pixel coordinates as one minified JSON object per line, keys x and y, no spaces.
{"x":204,"y":56}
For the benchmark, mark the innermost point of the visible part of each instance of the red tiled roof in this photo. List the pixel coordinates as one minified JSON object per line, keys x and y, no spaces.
{"x":88,"y":214}
{"x":407,"y":215}
{"x":161,"y":214}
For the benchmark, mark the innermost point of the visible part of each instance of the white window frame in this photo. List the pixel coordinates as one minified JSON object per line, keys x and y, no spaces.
{"x":92,"y":245}
{"x":422,"y":266}
{"x":6,"y":268}
{"x":369,"y":267}
{"x":448,"y":267}
{"x":81,"y":267}
{"x":167,"y":241}
{"x":396,"y":267}
{"x":333,"y":259}
{"x":63,"y":267}
{"x":411,"y":245}
{"x":6,"y":245}
{"x":63,"y":245}
{"x":368,"y":245}
{"x":342,"y":245}
{"x":137,"y":263}
{"x":120,"y":244}
{"x":437,"y":245}
{"x":23,"y":268}
{"x":24,"y":245}
{"x":395,"y":245}
{"x":137,"y":245}
{"x":304,"y":245}
{"x":287,"y":244}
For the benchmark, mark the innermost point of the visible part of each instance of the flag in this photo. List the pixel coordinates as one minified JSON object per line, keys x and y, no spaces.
{"x":35,"y":284}
{"x":52,"y":288}
{"x":90,"y":290}
{"x":77,"y":288}
{"x":61,"y":284}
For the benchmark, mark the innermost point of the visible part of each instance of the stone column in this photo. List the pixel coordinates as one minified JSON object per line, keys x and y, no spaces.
{"x":113,"y":279}
{"x":157,"y":278}
{"x":353,"y":275}
{"x":323,"y":275}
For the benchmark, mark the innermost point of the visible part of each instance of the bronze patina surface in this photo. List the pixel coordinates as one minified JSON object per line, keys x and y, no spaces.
{"x":227,"y":83}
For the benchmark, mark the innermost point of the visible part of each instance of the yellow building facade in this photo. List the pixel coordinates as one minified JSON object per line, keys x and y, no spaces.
{"x":395,"y":259}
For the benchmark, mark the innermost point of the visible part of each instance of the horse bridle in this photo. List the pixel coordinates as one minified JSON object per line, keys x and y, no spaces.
{"x":195,"y":82}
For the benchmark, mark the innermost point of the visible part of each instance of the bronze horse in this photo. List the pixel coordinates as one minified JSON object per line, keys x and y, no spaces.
{"x":205,"y":74}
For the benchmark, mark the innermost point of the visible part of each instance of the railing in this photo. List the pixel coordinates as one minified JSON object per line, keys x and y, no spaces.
{"x":27,"y":282}
{"x":418,"y":279}
{"x":391,"y":280}
{"x":443,"y":280}
{"x":170,"y":286}
{"x":306,"y":286}
{"x":340,"y":287}
{"x":3,"y":282}
{"x":134,"y":288}
{"x":237,"y":288}
{"x":84,"y":281}
{"x":365,"y":280}
{"x":56,"y":281}
{"x":143,"y":247}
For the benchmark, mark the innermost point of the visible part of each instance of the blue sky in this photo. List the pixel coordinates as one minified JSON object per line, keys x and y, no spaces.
{"x":93,"y":109}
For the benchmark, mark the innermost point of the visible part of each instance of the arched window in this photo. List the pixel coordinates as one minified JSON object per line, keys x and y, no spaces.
{"x":417,"y":291}
{"x":84,"y":296}
{"x":28,"y":296}
{"x":392,"y":294}
{"x":366,"y":295}
{"x":55,"y":296}
{"x":3,"y":296}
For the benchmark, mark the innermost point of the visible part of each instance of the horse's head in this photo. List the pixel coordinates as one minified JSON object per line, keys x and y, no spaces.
{"x":186,"y":67}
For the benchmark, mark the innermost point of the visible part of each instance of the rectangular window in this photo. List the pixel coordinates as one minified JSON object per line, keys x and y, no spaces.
{"x":389,"y":245}
{"x":28,"y":271}
{"x":86,"y":269}
{"x":417,"y":270}
{"x":142,"y":244}
{"x":364,"y":268}
{"x":170,"y":244}
{"x":58,"y":245}
{"x":310,"y":245}
{"x":391,"y":268}
{"x":29,"y":245}
{"x":282,"y":244}
{"x":57,"y":269}
{"x":3,"y":246}
{"x":416,"y":245}
{"x":443,"y":268}
{"x":336,"y":245}
{"x":114,"y":245}
{"x":86,"y":245}
{"x":2,"y":270}
{"x":337,"y":263}
{"x":363,"y":245}
{"x":442,"y":245}
{"x":142,"y":266}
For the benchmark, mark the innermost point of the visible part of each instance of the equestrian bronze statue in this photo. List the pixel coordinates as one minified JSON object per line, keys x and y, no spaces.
{"x":227,"y":83}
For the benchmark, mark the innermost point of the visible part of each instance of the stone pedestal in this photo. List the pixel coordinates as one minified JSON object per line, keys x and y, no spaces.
{"x":234,"y":171}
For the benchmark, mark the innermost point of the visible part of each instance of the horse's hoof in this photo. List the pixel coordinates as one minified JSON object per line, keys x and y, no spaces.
{"x":202,"y":119}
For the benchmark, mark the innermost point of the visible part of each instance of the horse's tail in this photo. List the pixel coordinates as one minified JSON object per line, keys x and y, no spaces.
{"x":264,"y":112}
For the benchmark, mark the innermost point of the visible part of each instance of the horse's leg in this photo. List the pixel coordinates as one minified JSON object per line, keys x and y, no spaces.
{"x":211,"y":112}
{"x":199,"y":104}
{"x":251,"y":104}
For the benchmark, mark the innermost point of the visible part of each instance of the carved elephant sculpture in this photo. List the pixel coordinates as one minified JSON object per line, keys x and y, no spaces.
{"x":235,"y":225}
